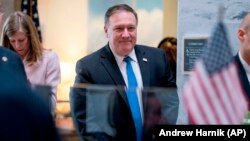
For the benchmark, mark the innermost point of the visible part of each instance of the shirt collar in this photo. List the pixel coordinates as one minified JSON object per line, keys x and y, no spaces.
{"x":244,"y":64}
{"x":119,"y":59}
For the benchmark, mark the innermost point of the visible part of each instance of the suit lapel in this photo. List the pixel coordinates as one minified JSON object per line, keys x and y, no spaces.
{"x":242,"y":75}
{"x":109,"y":63}
{"x":143,"y":61}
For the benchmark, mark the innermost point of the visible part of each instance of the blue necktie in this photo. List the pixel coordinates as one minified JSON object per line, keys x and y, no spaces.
{"x":133,"y":99}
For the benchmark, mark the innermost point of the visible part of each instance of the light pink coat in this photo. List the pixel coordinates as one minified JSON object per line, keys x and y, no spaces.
{"x":45,"y":72}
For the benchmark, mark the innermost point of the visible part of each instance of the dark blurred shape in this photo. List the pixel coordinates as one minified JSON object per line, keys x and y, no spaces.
{"x":240,"y":15}
{"x":44,"y":91}
{"x":10,"y":61}
{"x":169,"y":45}
{"x":160,"y":108}
{"x":23,"y":114}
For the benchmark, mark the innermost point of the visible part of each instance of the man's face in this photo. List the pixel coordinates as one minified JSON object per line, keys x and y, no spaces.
{"x":244,"y":36}
{"x":121,"y":31}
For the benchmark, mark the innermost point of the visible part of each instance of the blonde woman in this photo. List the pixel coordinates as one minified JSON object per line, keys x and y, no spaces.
{"x":41,"y":65}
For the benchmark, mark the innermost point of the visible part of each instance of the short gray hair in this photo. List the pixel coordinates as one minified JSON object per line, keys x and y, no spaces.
{"x":119,"y":7}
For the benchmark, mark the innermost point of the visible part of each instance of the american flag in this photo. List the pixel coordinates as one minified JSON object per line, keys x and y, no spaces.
{"x":29,"y":7}
{"x":212,"y":93}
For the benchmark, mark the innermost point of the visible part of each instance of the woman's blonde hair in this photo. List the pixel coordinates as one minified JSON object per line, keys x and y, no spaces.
{"x":19,"y":21}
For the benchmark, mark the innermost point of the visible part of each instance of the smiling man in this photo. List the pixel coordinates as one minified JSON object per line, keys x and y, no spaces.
{"x":113,"y":65}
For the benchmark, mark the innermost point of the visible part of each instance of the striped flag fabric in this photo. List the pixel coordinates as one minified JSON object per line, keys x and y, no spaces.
{"x":29,"y":7}
{"x":212,"y":94}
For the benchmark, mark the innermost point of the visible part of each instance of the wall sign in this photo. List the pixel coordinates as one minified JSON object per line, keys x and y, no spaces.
{"x":193,"y":47}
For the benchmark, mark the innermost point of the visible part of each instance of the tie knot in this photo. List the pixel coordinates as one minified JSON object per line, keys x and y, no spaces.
{"x":127,"y":59}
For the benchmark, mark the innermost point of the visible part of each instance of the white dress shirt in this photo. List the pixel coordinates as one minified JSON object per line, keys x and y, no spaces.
{"x":137,"y":71}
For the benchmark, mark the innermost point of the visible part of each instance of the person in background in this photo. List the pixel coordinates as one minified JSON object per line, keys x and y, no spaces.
{"x":169,"y":45}
{"x":41,"y":65}
{"x":242,"y":58}
{"x":10,"y":59}
{"x":107,"y":66}
{"x":20,"y":108}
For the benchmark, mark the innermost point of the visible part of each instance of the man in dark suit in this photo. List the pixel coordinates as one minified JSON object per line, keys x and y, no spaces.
{"x":242,"y":58}
{"x":23,"y":114}
{"x":106,"y":67}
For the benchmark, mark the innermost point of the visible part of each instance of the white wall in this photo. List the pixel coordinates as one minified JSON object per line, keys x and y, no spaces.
{"x":170,"y":18}
{"x":64,"y":30}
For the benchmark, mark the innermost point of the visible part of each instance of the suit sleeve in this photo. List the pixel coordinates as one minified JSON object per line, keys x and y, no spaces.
{"x":78,"y":105}
{"x":82,"y":75}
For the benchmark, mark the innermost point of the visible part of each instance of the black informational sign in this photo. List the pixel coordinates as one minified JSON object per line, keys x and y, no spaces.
{"x":193,"y":48}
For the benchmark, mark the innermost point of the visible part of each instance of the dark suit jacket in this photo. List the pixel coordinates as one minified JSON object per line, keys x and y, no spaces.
{"x":23,"y":114}
{"x":101,"y":68}
{"x":243,"y":77}
{"x":11,"y":60}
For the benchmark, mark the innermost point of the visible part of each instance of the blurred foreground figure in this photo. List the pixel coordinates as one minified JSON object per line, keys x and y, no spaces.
{"x":23,"y":114}
{"x":10,"y":61}
{"x":242,"y":58}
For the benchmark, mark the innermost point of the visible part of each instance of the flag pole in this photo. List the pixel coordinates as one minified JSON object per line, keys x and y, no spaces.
{"x":221,"y":13}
